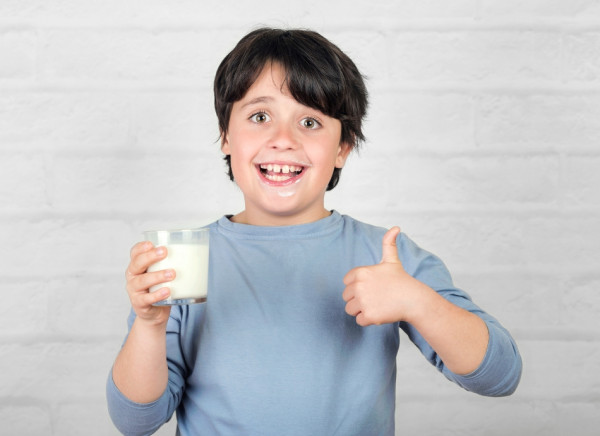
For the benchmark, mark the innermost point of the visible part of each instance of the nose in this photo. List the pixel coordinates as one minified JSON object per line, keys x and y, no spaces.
{"x":284,"y":137}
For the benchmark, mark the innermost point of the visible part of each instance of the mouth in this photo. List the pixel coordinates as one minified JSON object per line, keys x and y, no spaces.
{"x":280,"y":174}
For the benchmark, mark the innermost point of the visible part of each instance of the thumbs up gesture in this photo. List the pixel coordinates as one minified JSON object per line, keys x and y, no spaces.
{"x":380,"y":294}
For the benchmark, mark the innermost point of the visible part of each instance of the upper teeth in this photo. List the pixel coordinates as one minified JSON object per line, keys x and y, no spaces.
{"x":285,"y":169}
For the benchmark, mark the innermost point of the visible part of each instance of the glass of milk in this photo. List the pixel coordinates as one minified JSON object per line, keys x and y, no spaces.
{"x":187,"y":254}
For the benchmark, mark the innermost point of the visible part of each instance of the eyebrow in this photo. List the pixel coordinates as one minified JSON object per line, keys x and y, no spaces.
{"x":258,"y":100}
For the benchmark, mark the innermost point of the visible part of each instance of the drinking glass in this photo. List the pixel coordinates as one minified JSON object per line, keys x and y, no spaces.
{"x":187,"y":254}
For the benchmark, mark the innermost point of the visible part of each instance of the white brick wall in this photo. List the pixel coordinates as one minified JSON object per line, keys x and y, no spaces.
{"x":484,"y":146}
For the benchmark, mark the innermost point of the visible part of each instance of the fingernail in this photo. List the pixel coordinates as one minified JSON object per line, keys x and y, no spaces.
{"x":169,"y":274}
{"x":160,"y":251}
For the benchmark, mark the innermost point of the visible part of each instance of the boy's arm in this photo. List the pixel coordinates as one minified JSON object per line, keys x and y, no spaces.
{"x":140,"y":370}
{"x":468,"y":345}
{"x":138,"y":390}
{"x":460,"y":338}
{"x":386,"y":293}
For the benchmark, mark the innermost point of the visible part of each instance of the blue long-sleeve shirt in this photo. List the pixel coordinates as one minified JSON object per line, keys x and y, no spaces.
{"x":273,"y":352}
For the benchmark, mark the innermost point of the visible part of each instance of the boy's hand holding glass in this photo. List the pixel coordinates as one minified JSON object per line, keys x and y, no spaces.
{"x":144,"y":254}
{"x":170,"y":267}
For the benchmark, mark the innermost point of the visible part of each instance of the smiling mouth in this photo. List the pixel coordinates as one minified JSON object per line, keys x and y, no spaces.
{"x":280,"y":173}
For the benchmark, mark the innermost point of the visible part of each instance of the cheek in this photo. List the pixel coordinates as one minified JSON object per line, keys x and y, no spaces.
{"x":241,"y":159}
{"x":237,"y":160}
{"x":328,"y":154}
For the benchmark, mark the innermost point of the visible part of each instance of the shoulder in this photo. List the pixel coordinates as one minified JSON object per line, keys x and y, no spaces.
{"x":417,"y":261}
{"x":362,"y":229}
{"x":374,"y":234}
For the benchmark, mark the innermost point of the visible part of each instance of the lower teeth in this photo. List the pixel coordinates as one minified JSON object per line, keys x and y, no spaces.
{"x":278,"y":178}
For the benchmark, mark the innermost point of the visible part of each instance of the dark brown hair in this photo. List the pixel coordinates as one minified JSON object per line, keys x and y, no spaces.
{"x":318,"y":75}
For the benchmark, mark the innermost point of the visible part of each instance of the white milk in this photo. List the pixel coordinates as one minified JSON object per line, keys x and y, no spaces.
{"x":190,"y":262}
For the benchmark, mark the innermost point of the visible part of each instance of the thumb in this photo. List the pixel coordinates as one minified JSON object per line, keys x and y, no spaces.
{"x":389,"y":248}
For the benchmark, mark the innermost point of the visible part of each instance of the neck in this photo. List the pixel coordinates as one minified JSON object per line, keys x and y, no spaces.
{"x":245,"y":217}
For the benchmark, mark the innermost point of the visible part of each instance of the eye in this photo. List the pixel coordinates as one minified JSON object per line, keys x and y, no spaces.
{"x":310,"y":123}
{"x":260,"y":117}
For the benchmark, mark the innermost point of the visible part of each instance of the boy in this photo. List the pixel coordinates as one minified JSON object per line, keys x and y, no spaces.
{"x":301,"y":330}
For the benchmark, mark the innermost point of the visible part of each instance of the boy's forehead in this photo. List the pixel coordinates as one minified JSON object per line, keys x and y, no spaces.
{"x":272,"y":80}
{"x":272,"y":74}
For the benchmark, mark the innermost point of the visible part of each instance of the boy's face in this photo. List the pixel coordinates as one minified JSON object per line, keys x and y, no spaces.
{"x":282,"y":153}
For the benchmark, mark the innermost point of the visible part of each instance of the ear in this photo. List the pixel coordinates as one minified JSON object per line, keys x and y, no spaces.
{"x":225,"y":144}
{"x":344,"y":150}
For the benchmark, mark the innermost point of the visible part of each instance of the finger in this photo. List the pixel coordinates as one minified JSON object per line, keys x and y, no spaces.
{"x":350,"y":276}
{"x":356,"y":274}
{"x":362,"y":321}
{"x":348,"y":294}
{"x":143,"y":282}
{"x":140,"y":262}
{"x":159,"y":295}
{"x":139,"y":248}
{"x":389,"y":248}
{"x":352,"y":308}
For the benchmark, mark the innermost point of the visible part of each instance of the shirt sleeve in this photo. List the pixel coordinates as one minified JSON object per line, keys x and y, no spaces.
{"x":133,"y":418}
{"x":500,"y":371}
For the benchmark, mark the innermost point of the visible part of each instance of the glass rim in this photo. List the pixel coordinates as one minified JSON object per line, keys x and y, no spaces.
{"x":173,"y":231}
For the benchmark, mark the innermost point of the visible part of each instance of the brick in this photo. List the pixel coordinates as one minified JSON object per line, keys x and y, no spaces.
{"x":18,"y":9}
{"x":18,"y":54}
{"x":84,"y":414}
{"x":23,"y":182}
{"x":73,"y":12}
{"x":53,"y":246}
{"x":495,"y":417}
{"x":359,"y":178}
{"x":485,"y":56}
{"x":369,"y":50}
{"x":582,"y":58}
{"x":17,"y":110}
{"x":414,"y":9}
{"x":545,"y":388}
{"x":108,"y":122}
{"x":542,"y":360}
{"x":579,"y":181}
{"x":415,"y":122}
{"x":181,"y":122}
{"x":501,"y":242}
{"x":57,"y":120}
{"x":129,"y":54}
{"x":26,"y":307}
{"x":542,"y":303}
{"x":63,"y":9}
{"x":394,"y":11}
{"x":553,"y":369}
{"x":579,"y":302}
{"x":102,"y":306}
{"x":540,"y":9}
{"x":20,"y":416}
{"x":112,"y":11}
{"x":50,"y":370}
{"x":178,"y":186}
{"x":539,"y":122}
{"x":579,"y":414}
{"x":451,"y":183}
{"x":238,"y":14}
{"x":511,"y":297}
